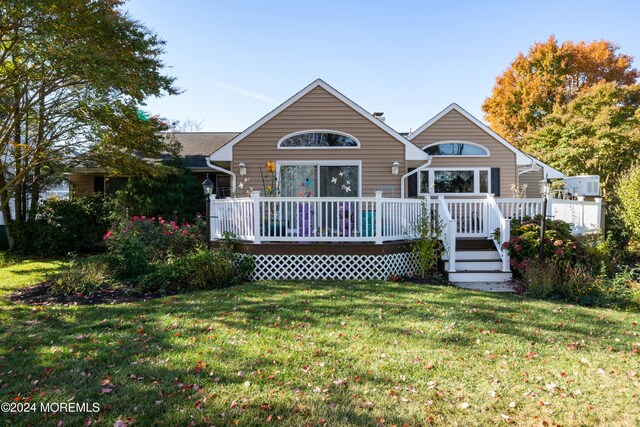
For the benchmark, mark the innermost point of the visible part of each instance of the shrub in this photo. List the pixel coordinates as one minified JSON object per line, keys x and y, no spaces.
{"x":161,"y":239}
{"x":540,"y":278}
{"x":628,"y":198}
{"x":177,"y":193}
{"x":524,"y":244}
{"x":199,"y":270}
{"x":84,"y":276}
{"x":130,"y":257}
{"x":428,"y":247}
{"x":62,"y":226}
{"x":578,"y":283}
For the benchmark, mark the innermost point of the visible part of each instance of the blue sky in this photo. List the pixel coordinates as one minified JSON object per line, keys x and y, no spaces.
{"x":237,"y":60}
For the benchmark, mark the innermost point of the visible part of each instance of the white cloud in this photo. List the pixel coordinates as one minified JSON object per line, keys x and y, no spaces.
{"x":240,"y":91}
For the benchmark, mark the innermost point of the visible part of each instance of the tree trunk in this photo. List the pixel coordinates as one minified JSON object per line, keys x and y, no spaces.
{"x":6,"y":212}
{"x":17,"y":154}
{"x":35,"y":186}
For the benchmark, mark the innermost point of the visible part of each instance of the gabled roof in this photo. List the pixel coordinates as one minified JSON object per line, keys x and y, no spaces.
{"x":411,"y":151}
{"x":201,"y":143}
{"x":521,"y":158}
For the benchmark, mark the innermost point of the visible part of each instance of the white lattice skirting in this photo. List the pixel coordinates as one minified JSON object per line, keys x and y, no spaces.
{"x":346,"y":267}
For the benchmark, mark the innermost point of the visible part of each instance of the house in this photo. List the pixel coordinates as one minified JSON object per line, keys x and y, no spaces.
{"x":196,"y":147}
{"x":319,"y":129}
{"x":325,"y":189}
{"x":321,"y":188}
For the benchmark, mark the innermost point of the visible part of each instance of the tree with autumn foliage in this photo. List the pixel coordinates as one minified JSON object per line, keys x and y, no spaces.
{"x":72,"y":75}
{"x":550,"y":75}
{"x":597,"y":133}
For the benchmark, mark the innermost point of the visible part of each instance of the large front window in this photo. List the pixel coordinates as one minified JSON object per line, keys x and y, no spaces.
{"x":449,"y":181}
{"x":319,"y":179}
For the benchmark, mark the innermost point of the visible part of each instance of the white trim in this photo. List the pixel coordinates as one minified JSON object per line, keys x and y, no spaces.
{"x":457,"y":141}
{"x":408,"y":174}
{"x":521,"y":157}
{"x":357,"y":163}
{"x":412,"y":152}
{"x":476,"y":181}
{"x":223,"y":170}
{"x":302,"y":132}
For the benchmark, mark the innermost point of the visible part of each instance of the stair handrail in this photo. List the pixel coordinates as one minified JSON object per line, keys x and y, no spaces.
{"x":449,"y":234}
{"x":505,"y":231}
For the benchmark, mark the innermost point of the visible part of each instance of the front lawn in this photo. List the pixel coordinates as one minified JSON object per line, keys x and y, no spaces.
{"x":341,"y":353}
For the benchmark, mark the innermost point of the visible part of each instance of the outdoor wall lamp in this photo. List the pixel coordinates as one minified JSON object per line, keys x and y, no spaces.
{"x":395,"y":168}
{"x":243,"y":169}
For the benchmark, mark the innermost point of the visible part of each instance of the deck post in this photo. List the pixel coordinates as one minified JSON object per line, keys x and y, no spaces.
{"x":600,"y":215}
{"x":378,"y":217}
{"x":256,"y":216}
{"x":211,"y":229}
{"x":549,"y":212}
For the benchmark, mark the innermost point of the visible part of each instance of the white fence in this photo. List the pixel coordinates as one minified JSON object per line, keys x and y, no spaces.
{"x":584,"y":217}
{"x":377,"y":219}
{"x":520,"y":208}
{"x":318,"y":219}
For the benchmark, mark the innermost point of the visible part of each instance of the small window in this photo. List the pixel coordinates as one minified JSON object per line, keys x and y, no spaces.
{"x":456,"y":149}
{"x":454,"y":181}
{"x":319,"y":139}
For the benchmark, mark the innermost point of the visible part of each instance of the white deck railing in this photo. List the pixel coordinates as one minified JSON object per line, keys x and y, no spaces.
{"x":377,"y":219}
{"x":317,"y":219}
{"x":496,"y":221}
{"x":520,"y":208}
{"x":470,"y":216}
{"x":232,"y":216}
{"x":584,"y":217}
{"x":449,"y":233}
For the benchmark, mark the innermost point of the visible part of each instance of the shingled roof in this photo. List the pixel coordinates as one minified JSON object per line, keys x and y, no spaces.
{"x":197,"y":146}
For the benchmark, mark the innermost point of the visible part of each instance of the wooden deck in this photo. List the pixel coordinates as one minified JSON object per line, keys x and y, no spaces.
{"x":313,"y":248}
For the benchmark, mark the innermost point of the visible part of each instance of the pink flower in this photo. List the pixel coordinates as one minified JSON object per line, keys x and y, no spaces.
{"x":152,"y":219}
{"x":517,"y":248}
{"x":505,"y":245}
{"x":143,"y":217}
{"x":558,"y":243}
{"x":184,"y":231}
{"x":107,"y":235}
{"x":135,"y":218}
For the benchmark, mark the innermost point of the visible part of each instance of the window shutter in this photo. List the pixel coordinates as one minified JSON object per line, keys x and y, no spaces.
{"x":412,"y":182}
{"x":495,"y":181}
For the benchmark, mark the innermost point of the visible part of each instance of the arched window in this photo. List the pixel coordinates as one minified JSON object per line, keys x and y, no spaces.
{"x":456,"y":148}
{"x":319,"y":139}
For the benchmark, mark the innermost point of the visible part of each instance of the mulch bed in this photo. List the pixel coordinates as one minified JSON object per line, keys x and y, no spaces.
{"x":41,"y":294}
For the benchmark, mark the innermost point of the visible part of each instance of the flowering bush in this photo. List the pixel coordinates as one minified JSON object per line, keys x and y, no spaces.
{"x":161,"y":239}
{"x":524,"y":244}
{"x":156,"y":255}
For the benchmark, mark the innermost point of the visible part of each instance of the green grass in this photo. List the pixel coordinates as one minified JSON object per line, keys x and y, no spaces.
{"x":342,"y":353}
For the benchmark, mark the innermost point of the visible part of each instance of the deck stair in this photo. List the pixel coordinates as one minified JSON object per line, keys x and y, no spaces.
{"x":477,"y":260}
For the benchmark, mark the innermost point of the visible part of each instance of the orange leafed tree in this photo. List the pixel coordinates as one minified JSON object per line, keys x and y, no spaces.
{"x":551,"y":74}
